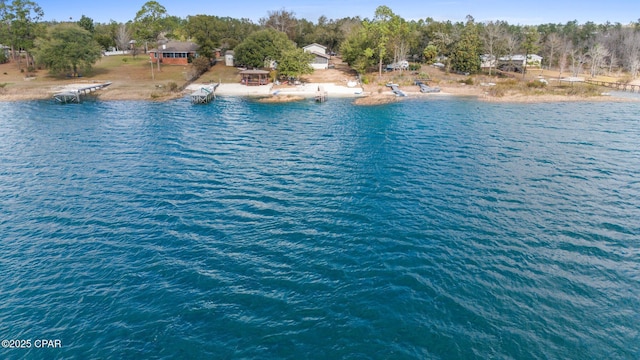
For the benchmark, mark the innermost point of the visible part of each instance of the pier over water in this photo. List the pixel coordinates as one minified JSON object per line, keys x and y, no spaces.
{"x":75,"y":95}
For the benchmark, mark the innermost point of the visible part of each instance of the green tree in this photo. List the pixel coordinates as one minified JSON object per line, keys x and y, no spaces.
{"x":87,"y":24}
{"x":357,"y":50}
{"x":294,"y":63}
{"x":262,"y":46}
{"x":530,"y":44}
{"x":67,"y":48}
{"x":106,"y":34}
{"x":328,"y":33}
{"x":202,"y":29}
{"x":148,"y":22}
{"x":211,"y":32}
{"x":400,"y":38}
{"x":20,"y":18}
{"x":466,"y":53}
{"x":379,"y":31}
{"x":430,"y":54}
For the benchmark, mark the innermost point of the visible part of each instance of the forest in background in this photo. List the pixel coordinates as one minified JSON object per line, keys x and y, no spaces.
{"x":364,"y":43}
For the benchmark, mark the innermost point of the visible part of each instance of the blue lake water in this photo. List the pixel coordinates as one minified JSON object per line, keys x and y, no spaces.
{"x":438,"y":229}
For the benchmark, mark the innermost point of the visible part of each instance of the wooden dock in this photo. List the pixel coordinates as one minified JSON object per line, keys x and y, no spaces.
{"x":616,"y":85}
{"x":74,"y":96}
{"x":204,"y":95}
{"x":321,"y":94}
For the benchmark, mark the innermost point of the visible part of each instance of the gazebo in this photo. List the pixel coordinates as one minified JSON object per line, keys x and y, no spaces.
{"x":255,"y":77}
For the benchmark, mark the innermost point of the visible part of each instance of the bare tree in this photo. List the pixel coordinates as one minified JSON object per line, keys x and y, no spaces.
{"x":493,"y":38}
{"x":281,"y":20}
{"x":566,"y":50}
{"x":596,"y":54}
{"x":578,"y":59}
{"x":123,"y":37}
{"x":512,"y":43}
{"x":552,"y":44}
{"x":632,"y":52}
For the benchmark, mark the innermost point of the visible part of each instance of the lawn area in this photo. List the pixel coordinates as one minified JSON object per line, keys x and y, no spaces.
{"x":221,"y":73}
{"x":131,"y":78}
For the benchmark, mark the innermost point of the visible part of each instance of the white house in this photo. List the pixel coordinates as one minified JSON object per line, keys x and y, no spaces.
{"x":517,"y":62}
{"x":321,"y":59}
{"x":315,"y":48}
{"x":487,"y":61}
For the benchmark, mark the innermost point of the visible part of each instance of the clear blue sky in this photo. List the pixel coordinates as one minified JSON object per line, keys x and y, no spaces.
{"x":513,"y":11}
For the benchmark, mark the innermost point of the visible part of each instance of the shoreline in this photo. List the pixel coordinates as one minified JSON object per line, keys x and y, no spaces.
{"x":365,"y":95}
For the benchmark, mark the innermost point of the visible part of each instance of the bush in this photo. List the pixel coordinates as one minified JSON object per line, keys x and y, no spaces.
{"x":467,"y":81}
{"x":414,"y":67}
{"x":172,"y":86}
{"x":125,"y":60}
{"x":536,"y":84}
{"x":201,"y":64}
{"x":626,"y":79}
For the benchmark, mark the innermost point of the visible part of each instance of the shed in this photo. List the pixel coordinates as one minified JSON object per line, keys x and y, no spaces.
{"x":228,"y":57}
{"x":254,"y":77}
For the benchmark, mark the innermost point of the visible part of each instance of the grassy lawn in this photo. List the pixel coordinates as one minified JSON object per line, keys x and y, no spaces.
{"x":221,"y":73}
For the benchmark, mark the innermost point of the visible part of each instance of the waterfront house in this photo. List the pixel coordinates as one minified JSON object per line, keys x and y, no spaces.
{"x":174,"y":53}
{"x":517,"y":62}
{"x":321,"y":59}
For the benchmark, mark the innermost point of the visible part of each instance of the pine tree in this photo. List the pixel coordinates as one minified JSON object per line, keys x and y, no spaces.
{"x":466,"y":53}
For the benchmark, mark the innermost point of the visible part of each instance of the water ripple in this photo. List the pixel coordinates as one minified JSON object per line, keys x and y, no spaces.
{"x":428,"y":229}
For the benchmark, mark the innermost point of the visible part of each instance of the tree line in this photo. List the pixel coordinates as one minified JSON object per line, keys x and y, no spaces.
{"x":366,"y":44}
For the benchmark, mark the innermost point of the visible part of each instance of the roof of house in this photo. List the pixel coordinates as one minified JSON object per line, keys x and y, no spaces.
{"x":314,"y":44}
{"x":320,"y":54}
{"x":520,"y":57}
{"x":254,"y":72}
{"x":177,"y":46}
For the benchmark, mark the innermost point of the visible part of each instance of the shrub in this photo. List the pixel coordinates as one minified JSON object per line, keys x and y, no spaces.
{"x":125,"y":60}
{"x":509,"y":83}
{"x":536,"y":84}
{"x":201,"y":64}
{"x":626,"y":79}
{"x":414,"y":67}
{"x":467,"y":81}
{"x":172,"y":86}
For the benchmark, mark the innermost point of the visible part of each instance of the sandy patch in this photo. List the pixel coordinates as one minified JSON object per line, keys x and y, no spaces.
{"x":281,"y":99}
